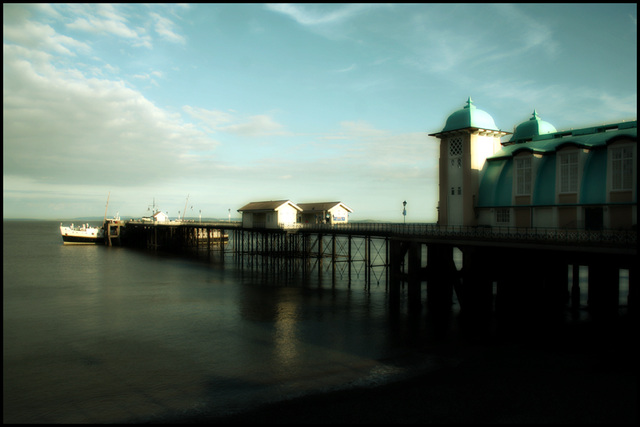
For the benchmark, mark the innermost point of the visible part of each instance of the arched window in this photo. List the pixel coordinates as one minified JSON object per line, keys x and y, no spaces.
{"x":523,"y":175}
{"x":622,"y":168}
{"x":568,"y":168}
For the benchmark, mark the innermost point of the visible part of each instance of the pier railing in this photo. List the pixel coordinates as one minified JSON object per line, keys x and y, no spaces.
{"x":617,"y":238}
{"x":627,"y":239}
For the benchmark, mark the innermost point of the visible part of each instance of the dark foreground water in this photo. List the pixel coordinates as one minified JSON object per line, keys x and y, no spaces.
{"x":95,"y":334}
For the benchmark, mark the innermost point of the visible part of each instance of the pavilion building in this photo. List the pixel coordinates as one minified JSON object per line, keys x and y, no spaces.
{"x":541,"y":177}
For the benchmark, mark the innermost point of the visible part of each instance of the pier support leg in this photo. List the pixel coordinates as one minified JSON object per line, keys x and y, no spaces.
{"x":515,"y":296}
{"x":349,"y":260}
{"x":441,"y":274}
{"x":555,"y":290}
{"x":320,"y":250}
{"x":575,"y":287}
{"x":604,"y":288}
{"x":415,"y":270}
{"x":477,"y":285}
{"x":631,"y":300}
{"x":397,"y":252}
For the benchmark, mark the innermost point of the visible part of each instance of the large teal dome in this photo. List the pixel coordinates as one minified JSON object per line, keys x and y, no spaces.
{"x":533,"y":127}
{"x":469,"y":117}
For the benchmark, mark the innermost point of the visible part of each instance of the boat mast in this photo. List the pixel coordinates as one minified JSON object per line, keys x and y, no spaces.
{"x":185,"y":207}
{"x":105,"y":209}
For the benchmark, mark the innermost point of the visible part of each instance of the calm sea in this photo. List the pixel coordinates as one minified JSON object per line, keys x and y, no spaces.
{"x":95,"y":334}
{"x":110,"y":334}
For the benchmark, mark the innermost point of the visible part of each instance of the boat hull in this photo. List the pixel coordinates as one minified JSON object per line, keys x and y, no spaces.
{"x":82,"y":235}
{"x":80,"y":240}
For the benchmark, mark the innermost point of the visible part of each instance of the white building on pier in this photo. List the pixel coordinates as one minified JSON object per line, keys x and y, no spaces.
{"x":286,"y":214}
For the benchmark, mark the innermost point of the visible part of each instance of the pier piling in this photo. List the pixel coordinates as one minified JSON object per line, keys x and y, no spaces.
{"x":511,"y":277}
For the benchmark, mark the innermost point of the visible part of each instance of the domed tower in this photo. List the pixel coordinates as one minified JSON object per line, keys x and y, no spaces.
{"x":533,"y":127}
{"x":469,"y":136}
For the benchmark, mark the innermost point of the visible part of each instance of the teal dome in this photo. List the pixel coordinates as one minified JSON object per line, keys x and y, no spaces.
{"x":533,"y":127}
{"x":469,"y":117}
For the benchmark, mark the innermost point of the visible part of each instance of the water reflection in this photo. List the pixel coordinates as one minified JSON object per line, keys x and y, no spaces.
{"x":285,"y":337}
{"x":97,"y":334}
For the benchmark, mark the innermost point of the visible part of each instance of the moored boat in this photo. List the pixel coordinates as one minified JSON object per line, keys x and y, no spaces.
{"x":82,"y":234}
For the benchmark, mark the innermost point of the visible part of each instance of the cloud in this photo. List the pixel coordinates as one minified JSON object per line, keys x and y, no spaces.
{"x":211,"y":118}
{"x":311,"y":15}
{"x":437,"y":40}
{"x":99,"y":19}
{"x":33,"y":35}
{"x":361,"y":151}
{"x":64,"y":124}
{"x":165,"y":28}
{"x":106,"y":19}
{"x":531,"y":33}
{"x":327,"y":20}
{"x":556,"y":102}
{"x":60,"y":126}
{"x":233,"y":123}
{"x":346,"y":69}
{"x":259,"y":125}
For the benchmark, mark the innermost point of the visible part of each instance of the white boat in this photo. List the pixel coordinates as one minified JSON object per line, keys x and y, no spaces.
{"x":82,"y":235}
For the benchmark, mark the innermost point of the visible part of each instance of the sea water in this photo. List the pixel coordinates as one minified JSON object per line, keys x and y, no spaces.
{"x":97,"y":334}
{"x":111,"y":334}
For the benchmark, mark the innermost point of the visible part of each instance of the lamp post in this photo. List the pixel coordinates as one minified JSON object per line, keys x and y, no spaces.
{"x":404,"y":212}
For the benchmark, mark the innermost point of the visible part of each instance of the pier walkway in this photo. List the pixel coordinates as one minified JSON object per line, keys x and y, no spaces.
{"x":575,"y":239}
{"x":510,"y":267}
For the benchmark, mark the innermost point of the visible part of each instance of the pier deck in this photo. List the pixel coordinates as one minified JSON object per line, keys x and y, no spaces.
{"x":500,"y":265}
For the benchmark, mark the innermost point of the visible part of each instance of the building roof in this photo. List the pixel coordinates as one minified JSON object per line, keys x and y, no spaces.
{"x":496,"y":184}
{"x":469,"y":117}
{"x":533,"y":127}
{"x":268,"y":206}
{"x":323,"y":206}
{"x":592,"y":137}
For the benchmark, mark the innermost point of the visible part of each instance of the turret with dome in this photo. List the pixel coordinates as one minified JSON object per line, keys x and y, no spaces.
{"x":469,"y":117}
{"x":469,"y":136}
{"x":533,"y":127}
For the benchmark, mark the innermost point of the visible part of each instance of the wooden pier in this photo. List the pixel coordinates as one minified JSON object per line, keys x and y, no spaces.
{"x":506,"y":270}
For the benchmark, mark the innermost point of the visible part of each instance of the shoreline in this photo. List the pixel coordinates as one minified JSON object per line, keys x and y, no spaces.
{"x":588,"y":377}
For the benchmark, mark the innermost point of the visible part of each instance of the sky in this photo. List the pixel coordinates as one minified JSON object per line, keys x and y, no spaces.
{"x":213,"y":106}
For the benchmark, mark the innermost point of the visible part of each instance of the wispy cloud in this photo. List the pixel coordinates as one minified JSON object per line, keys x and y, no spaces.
{"x":351,"y":67}
{"x":378,"y":154}
{"x":437,"y":40}
{"x":312,"y":15}
{"x":531,"y":33}
{"x":107,"y":19}
{"x":165,"y":28}
{"x":332,"y":21}
{"x":260,"y":125}
{"x":237,"y":124}
{"x":556,"y":102}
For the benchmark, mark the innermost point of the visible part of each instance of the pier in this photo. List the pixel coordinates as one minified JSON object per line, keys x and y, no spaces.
{"x":510,"y":271}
